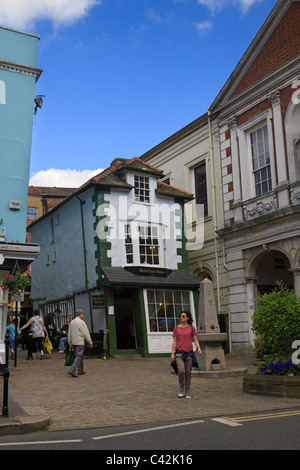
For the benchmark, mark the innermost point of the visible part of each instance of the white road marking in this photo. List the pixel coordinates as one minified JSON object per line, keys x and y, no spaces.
{"x":3,"y":444}
{"x":147,"y":430}
{"x":226,"y":421}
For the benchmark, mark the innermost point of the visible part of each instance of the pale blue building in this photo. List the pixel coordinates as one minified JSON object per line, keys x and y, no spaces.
{"x":18,"y":76}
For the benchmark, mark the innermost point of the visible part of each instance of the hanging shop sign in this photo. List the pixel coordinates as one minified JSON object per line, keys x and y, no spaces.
{"x":148,"y":271}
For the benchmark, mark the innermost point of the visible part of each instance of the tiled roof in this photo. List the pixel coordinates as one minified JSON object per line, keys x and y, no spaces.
{"x":165,"y":189}
{"x":50,"y":191}
{"x":114,"y":176}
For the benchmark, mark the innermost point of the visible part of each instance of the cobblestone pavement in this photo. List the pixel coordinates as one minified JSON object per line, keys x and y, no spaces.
{"x":130,"y":390}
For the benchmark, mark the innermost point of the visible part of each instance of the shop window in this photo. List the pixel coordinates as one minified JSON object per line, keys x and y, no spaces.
{"x":141,"y":189}
{"x":261,"y":163}
{"x":164,"y":307}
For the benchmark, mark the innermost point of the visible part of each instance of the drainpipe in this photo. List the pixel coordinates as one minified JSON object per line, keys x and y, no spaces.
{"x":215,"y":223}
{"x":85,"y":262}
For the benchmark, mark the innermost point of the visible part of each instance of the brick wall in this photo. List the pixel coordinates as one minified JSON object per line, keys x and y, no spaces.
{"x":282,"y":46}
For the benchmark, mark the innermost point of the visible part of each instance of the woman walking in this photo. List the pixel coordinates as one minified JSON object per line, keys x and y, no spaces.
{"x":38,"y":333}
{"x":182,"y":351}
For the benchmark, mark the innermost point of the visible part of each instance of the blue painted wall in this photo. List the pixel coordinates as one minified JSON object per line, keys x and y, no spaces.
{"x":17,"y":93}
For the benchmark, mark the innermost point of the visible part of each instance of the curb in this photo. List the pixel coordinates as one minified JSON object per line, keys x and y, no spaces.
{"x":28,"y":417}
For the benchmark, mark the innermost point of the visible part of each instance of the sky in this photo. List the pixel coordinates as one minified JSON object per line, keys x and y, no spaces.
{"x":121,"y":76}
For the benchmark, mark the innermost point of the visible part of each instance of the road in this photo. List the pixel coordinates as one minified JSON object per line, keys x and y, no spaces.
{"x":261,"y":431}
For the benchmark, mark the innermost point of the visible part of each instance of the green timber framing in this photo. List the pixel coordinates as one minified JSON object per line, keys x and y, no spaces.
{"x":117,"y":281}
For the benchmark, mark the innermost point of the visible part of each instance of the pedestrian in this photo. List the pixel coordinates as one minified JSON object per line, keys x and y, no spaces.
{"x":182,"y":351}
{"x":11,"y":329}
{"x":77,"y":336}
{"x":62,"y":337}
{"x":50,"y":323}
{"x":38,"y":333}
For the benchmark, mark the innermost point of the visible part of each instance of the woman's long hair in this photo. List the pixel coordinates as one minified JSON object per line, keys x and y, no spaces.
{"x":189,"y":316}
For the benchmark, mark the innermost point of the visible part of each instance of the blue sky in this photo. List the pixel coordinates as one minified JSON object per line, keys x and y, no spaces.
{"x":120,"y":76}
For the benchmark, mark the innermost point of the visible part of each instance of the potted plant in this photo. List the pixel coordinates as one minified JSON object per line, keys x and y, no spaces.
{"x":15,"y":283}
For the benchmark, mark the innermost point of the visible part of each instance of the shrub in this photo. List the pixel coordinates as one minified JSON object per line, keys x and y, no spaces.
{"x":276,"y":322}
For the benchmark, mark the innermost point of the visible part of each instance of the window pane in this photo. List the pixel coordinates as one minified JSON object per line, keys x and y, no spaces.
{"x":163,"y":312}
{"x":200,"y":186}
{"x":261,"y":161}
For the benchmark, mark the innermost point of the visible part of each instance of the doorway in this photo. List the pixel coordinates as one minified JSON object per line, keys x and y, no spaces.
{"x":273,"y":266}
{"x":125,"y":326}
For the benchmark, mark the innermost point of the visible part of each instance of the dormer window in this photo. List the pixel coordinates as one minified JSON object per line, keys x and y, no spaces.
{"x":141,"y":188}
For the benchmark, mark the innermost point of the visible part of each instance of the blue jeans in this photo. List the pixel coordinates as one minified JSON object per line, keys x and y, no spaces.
{"x":63,"y":343}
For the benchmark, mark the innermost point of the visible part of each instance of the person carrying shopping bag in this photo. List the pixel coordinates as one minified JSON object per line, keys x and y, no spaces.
{"x":182,"y":351}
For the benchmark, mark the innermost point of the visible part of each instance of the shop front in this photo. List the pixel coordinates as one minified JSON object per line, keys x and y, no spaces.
{"x":142,"y":308}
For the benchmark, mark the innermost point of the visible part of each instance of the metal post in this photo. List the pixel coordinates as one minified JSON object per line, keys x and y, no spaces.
{"x":16,"y":334}
{"x":5,"y":378}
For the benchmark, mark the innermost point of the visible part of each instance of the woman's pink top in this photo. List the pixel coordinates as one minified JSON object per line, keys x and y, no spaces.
{"x":184,"y":337}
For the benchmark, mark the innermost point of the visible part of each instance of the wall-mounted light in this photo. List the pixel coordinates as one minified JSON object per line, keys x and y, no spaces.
{"x":38,"y":102}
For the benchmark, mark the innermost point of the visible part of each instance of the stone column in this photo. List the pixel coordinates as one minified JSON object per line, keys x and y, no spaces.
{"x":296,"y":272}
{"x":282,"y":190}
{"x":251,"y":294}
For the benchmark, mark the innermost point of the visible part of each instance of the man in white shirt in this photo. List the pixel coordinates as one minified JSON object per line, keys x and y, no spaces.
{"x":77,"y":336}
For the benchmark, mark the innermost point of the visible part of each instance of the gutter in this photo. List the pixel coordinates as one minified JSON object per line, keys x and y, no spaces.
{"x":85,"y":261}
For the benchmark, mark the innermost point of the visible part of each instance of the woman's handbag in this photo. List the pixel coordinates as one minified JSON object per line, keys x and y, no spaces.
{"x":195,"y":362}
{"x":174,"y":365}
{"x":70,"y":357}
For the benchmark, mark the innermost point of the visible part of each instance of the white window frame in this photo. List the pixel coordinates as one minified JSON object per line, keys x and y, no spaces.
{"x":32,"y":213}
{"x":246,"y":168}
{"x":133,"y":248}
{"x":142,"y":190}
{"x":260,"y":167}
{"x":161,"y":309}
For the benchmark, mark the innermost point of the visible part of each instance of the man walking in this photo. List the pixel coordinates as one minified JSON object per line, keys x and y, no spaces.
{"x":49,"y":322}
{"x":77,"y":335}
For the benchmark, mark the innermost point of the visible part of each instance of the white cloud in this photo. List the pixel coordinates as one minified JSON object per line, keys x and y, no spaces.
{"x":203,"y":27}
{"x":22,"y":14}
{"x":62,"y":178}
{"x":217,"y":5}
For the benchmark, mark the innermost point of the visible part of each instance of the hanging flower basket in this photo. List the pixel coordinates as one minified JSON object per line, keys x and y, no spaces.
{"x":15,"y":283}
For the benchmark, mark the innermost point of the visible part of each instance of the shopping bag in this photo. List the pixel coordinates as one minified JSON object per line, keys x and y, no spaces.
{"x":70,"y":357}
{"x":47,"y":346}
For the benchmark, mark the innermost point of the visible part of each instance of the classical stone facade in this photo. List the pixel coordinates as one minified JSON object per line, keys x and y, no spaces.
{"x":258,"y":112}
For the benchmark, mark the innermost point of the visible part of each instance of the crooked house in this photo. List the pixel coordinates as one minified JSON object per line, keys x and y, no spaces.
{"x":117,"y":248}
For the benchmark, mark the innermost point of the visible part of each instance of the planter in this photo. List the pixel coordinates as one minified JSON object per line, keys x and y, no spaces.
{"x":272,"y":385}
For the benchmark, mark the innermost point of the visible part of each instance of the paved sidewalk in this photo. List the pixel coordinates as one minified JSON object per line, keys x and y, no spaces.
{"x":121,"y":391}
